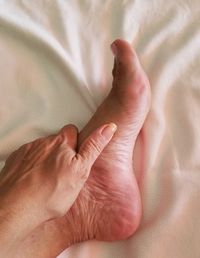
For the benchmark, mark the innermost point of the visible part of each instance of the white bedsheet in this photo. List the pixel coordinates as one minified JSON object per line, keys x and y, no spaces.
{"x":55,"y":68}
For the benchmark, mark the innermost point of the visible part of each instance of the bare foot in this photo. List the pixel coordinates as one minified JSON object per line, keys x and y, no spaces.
{"x":109,"y":206}
{"x":111,"y":193}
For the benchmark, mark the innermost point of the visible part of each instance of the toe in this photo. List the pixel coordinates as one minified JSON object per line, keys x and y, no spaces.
{"x":125,"y":56}
{"x":129,"y":77}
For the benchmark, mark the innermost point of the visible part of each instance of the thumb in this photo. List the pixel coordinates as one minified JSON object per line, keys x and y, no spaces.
{"x":96,"y":142}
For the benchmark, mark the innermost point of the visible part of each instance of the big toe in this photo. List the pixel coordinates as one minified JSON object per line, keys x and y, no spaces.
{"x":125,"y":57}
{"x":128,"y":75}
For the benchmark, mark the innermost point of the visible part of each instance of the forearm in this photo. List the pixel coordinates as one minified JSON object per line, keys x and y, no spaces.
{"x":46,"y":241}
{"x":9,"y":236}
{"x":15,"y":225}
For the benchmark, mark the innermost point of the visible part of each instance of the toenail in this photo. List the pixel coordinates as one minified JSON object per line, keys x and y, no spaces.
{"x":114,"y":49}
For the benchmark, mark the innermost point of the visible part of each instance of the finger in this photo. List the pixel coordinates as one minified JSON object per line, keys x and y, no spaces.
{"x":61,"y":154}
{"x":95,"y":143}
{"x":70,"y":133}
{"x":42,"y":146}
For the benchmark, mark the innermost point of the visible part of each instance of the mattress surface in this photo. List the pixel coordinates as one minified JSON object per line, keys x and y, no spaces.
{"x":55,"y":69}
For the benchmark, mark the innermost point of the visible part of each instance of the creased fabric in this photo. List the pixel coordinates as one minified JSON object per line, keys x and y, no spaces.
{"x":55,"y":69}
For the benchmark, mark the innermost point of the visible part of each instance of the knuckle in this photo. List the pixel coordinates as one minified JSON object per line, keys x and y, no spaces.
{"x":94,"y":145}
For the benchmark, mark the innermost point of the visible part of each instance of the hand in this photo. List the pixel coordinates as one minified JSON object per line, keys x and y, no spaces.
{"x":41,"y":180}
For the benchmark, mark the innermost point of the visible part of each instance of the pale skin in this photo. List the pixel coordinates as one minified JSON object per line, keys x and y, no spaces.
{"x":39,"y":176}
{"x":110,"y":195}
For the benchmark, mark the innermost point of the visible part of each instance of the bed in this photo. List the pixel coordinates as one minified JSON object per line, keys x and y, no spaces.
{"x":55,"y":69}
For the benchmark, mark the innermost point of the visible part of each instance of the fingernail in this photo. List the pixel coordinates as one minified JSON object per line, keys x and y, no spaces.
{"x":109,"y":130}
{"x":114,"y":49}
